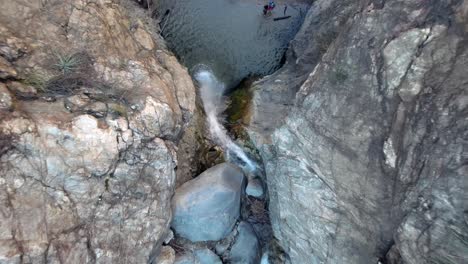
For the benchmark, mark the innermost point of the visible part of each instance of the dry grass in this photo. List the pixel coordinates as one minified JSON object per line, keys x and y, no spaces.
{"x":178,"y":248}
{"x":259,"y":213}
{"x":119,"y":109}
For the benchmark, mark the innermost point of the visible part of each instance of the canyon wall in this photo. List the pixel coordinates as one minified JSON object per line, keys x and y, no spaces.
{"x":363,"y":134}
{"x":92,"y":107}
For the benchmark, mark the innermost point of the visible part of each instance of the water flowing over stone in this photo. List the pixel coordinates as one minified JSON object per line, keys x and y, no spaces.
{"x":211,"y":92}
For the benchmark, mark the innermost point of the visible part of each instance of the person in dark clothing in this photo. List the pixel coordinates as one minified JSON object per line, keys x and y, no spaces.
{"x":268,"y":8}
{"x":285,"y":8}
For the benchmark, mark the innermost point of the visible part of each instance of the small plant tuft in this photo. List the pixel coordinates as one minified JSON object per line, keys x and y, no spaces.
{"x":36,"y":80}
{"x":67,"y":63}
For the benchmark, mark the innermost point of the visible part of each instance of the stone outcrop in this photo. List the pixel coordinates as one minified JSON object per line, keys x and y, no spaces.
{"x":246,"y":249}
{"x":207,"y":207}
{"x":92,"y":107}
{"x":363,"y":134}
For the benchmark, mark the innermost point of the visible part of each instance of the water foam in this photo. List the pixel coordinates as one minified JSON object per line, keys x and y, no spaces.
{"x":211,"y":92}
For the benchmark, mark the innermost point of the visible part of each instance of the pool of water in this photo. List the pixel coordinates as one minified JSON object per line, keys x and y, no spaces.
{"x":232,"y":37}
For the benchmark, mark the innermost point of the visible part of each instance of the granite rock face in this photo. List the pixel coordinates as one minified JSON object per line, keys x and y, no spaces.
{"x":207,"y":207}
{"x":91,"y":110}
{"x":364,"y":134}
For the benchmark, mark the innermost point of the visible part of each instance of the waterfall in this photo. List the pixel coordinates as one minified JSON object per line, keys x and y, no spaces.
{"x":211,"y":92}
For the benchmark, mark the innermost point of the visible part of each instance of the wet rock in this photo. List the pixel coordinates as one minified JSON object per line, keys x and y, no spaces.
{"x":6,"y":100}
{"x":254,"y":188}
{"x":246,"y":249}
{"x":207,"y":207}
{"x":204,"y":256}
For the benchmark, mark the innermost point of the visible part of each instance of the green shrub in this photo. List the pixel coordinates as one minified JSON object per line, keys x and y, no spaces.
{"x":67,"y":63}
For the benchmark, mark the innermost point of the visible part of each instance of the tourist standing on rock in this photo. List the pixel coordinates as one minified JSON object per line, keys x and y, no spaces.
{"x":285,"y":8}
{"x":268,"y":8}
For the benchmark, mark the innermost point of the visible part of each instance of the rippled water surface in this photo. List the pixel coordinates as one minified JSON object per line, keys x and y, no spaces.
{"x":230,"y":36}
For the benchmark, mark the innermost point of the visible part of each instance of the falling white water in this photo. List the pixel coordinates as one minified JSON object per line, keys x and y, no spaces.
{"x":211,"y":92}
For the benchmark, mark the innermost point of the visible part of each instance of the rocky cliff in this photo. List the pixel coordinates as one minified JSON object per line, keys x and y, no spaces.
{"x":364,"y":131}
{"x":92,"y":108}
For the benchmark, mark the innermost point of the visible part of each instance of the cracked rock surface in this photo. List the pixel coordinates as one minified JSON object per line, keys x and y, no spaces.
{"x":363,"y":134}
{"x":92,"y":107}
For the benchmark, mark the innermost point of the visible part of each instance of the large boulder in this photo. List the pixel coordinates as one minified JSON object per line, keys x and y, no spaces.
{"x":207,"y":207}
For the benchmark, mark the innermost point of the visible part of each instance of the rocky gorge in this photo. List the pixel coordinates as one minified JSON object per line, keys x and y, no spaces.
{"x":363,"y":134}
{"x":358,"y":134}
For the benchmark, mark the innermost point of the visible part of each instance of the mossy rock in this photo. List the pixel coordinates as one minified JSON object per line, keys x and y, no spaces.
{"x":238,"y":110}
{"x":238,"y":106}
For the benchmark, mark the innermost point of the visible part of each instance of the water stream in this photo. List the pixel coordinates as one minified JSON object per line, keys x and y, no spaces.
{"x":222,"y":42}
{"x":211,"y":92}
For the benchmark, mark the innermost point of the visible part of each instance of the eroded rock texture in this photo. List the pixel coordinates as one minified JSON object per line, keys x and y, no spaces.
{"x":92,"y":107}
{"x":364,"y":134}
